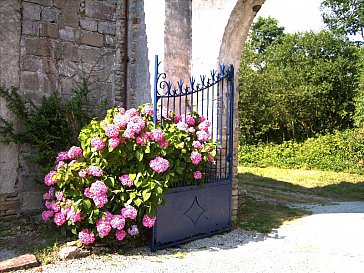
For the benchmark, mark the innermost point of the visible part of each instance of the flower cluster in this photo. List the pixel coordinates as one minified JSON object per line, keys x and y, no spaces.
{"x":110,"y":187}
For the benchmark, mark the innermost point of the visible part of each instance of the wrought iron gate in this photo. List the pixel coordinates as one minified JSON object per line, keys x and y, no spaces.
{"x":192,"y":212}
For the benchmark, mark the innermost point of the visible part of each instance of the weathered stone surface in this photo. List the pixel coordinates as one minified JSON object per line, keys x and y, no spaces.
{"x":31,"y":11}
{"x":50,"y":15}
{"x":67,"y":5}
{"x":69,"y":18}
{"x":106,"y":27}
{"x":49,"y":30}
{"x":20,"y":262}
{"x":47,"y":3}
{"x":30,"y":27}
{"x":66,"y":69}
{"x":109,"y":40}
{"x":100,"y":10}
{"x":72,"y":252}
{"x":92,"y":39}
{"x":69,"y":52}
{"x":68,"y":34}
{"x":30,"y":201}
{"x":88,"y":24}
{"x":29,"y":82}
{"x":39,"y":46}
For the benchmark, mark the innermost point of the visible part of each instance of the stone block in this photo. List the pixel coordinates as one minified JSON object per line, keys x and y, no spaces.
{"x":100,"y":10}
{"x":66,"y":69}
{"x":29,"y":82}
{"x":49,"y":82}
{"x":47,"y":3}
{"x":39,"y":47}
{"x":109,"y":40}
{"x":90,"y":55}
{"x":50,"y":15}
{"x":88,"y":24}
{"x":69,"y":52}
{"x":72,"y":252}
{"x":30,"y":27}
{"x":31,"y":11}
{"x":107,"y":27}
{"x":20,"y":262}
{"x":68,"y":34}
{"x":69,"y":18}
{"x":49,"y":30}
{"x":92,"y":39}
{"x":67,"y":5}
{"x":30,"y":202}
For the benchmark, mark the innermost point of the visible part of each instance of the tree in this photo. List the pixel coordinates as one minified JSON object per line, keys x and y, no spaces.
{"x":297,"y":88}
{"x":263,"y":32}
{"x":345,"y":17}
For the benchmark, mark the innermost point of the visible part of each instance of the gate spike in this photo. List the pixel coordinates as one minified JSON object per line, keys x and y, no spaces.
{"x":192,"y":83}
{"x":180,"y":85}
{"x":213,"y":75}
{"x":203,"y":80}
{"x":222,"y":69}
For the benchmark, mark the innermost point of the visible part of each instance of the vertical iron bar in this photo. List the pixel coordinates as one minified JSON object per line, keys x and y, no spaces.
{"x":227,"y":124}
{"x":231,"y":144}
{"x":221,"y":122}
{"x":155,"y":98}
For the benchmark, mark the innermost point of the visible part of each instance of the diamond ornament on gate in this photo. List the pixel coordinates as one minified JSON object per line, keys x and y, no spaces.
{"x":195,"y":211}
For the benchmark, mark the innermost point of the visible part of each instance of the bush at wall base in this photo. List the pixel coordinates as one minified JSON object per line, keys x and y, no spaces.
{"x":109,"y":188}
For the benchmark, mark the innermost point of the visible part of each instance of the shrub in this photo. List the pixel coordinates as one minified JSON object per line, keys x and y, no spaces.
{"x":340,"y":151}
{"x":110,"y":187}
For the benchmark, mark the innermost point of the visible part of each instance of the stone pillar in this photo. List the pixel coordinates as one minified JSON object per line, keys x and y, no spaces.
{"x":10,"y":27}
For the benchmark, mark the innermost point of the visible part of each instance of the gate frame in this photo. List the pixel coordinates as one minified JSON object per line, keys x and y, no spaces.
{"x":226,"y":182}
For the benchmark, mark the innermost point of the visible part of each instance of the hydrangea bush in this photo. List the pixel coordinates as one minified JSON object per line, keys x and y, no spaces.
{"x":110,"y":187}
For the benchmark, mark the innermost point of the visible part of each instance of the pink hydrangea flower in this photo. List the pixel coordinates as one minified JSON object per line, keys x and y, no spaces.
{"x":202,"y":136}
{"x":147,"y":110}
{"x":48,"y":204}
{"x":182,"y":126}
{"x":51,"y":192}
{"x":108,"y":215}
{"x":133,"y":230}
{"x":73,"y":216}
{"x":163,"y":143}
{"x":121,"y":110}
{"x":190,"y":120}
{"x":147,"y":221}
{"x":128,"y":133}
{"x":117,"y":222}
{"x":195,"y":157}
{"x":98,"y":143}
{"x":126,"y":181}
{"x":112,"y":130}
{"x":59,"y":219}
{"x":210,"y":158}
{"x":61,"y":156}
{"x":142,"y":139}
{"x":100,"y":200}
{"x":82,"y":174}
{"x":191,"y":130}
{"x":94,"y":170}
{"x":59,"y":195}
{"x":156,"y":135}
{"x":129,"y":212}
{"x":98,"y":188}
{"x":103,"y":227}
{"x":121,"y":120}
{"x":177,"y":119}
{"x":72,"y":162}
{"x":197,"y":144}
{"x":48,"y":180}
{"x":74,"y":152}
{"x":86,"y":237}
{"x":46,"y":196}
{"x":47,"y":215}
{"x":114,"y":142}
{"x":60,"y":164}
{"x":88,"y":193}
{"x":159,"y":164}
{"x":204,"y":126}
{"x":197,"y":175}
{"x":120,"y":234}
{"x":131,"y":112}
{"x":202,"y":119}
{"x":56,"y":207}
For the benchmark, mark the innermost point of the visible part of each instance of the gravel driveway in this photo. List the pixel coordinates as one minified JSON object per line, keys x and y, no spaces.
{"x":330,"y":240}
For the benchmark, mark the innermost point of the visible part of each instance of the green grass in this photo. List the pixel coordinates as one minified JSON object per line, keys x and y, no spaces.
{"x":277,"y":188}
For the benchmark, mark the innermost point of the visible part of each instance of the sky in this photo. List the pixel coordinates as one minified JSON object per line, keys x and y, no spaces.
{"x":294,"y":15}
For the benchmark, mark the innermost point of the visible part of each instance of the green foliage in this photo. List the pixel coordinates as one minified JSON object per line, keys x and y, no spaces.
{"x":340,"y":151}
{"x":359,"y":97}
{"x":263,"y":32}
{"x":49,"y":127}
{"x":298,"y":88}
{"x":344,"y":17}
{"x":123,"y":147}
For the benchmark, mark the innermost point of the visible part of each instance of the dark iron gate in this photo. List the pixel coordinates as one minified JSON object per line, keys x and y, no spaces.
{"x":192,"y":212}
